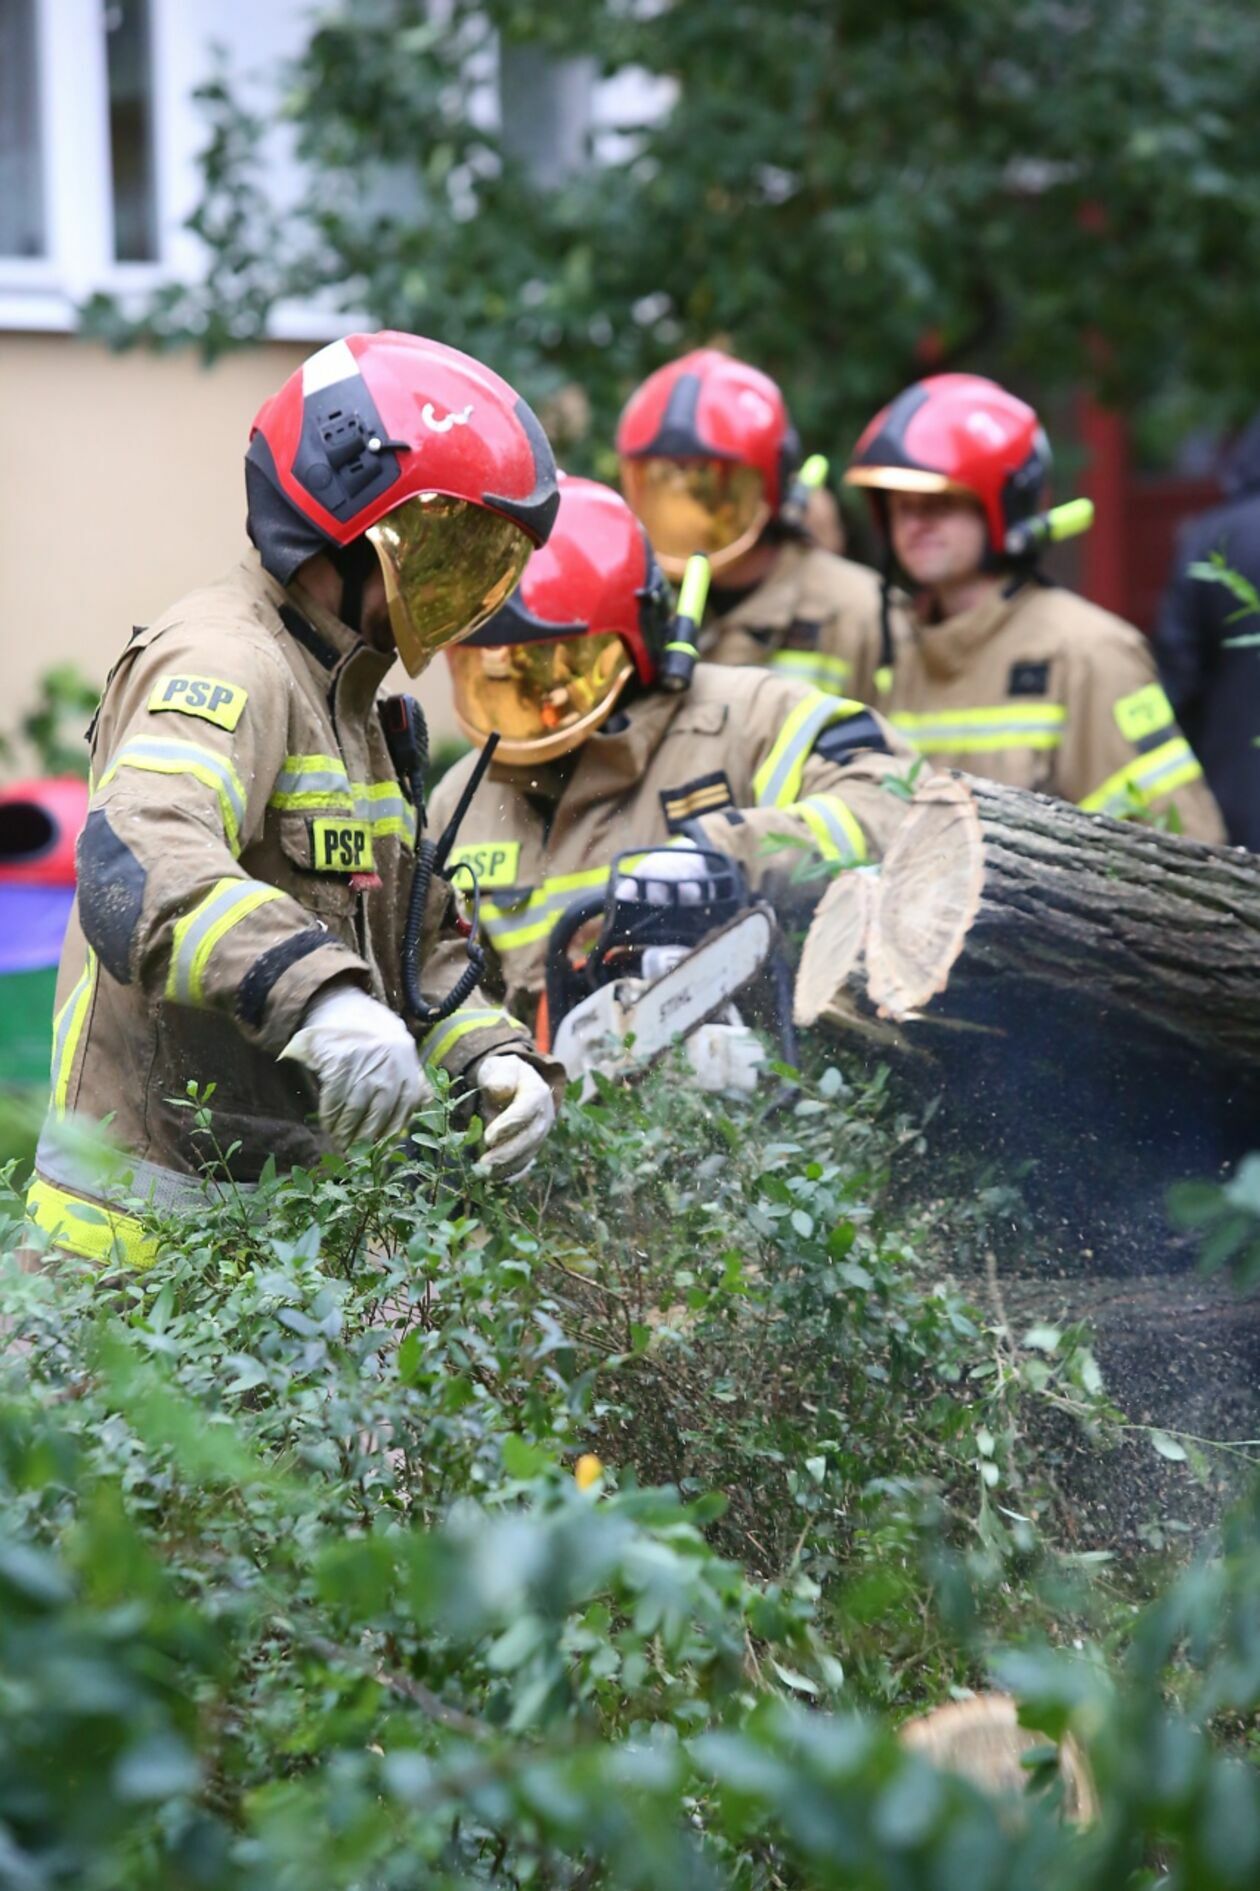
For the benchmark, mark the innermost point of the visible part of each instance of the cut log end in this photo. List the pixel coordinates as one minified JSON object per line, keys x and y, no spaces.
{"x":982,"y":1741}
{"x":833,"y":946}
{"x":929,"y":895}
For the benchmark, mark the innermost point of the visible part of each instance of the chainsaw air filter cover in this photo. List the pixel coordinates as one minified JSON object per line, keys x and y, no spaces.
{"x":645,"y":910}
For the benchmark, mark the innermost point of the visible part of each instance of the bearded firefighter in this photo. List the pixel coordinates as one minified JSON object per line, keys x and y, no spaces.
{"x":710,"y":462}
{"x":244,"y":870}
{"x":998,"y":671}
{"x":601,"y":751}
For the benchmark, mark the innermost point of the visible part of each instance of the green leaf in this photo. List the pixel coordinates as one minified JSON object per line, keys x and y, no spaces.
{"x":1168,"y":1447}
{"x":521,"y":1459}
{"x":156,"y":1768}
{"x":799,"y":1683}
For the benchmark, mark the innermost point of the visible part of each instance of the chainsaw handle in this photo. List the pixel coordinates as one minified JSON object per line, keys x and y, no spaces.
{"x":561,"y":976}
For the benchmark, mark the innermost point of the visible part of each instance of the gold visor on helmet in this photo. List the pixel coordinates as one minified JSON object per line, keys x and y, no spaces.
{"x":448,"y":565}
{"x":541,"y":698}
{"x":902,"y":479}
{"x":712,"y":506}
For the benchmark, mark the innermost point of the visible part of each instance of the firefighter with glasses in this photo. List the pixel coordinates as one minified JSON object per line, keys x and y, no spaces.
{"x":998,"y":671}
{"x":244,"y":872}
{"x":611,"y":737}
{"x":710,"y":462}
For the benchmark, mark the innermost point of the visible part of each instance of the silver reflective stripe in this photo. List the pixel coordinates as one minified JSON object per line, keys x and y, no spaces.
{"x":1156,"y":771}
{"x":212,"y":917}
{"x":330,"y":782}
{"x":144,"y":1181}
{"x":381,"y":803}
{"x":778,"y":778}
{"x":522,"y":925}
{"x":182,"y":758}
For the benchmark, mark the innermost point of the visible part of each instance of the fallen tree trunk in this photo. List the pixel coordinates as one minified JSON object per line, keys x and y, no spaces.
{"x":1080,"y":998}
{"x":988,"y":890}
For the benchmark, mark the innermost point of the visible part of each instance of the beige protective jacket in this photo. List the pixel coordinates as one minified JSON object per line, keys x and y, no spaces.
{"x":749,"y":754}
{"x":247,"y":841}
{"x":1043,"y":690}
{"x":815,"y":618}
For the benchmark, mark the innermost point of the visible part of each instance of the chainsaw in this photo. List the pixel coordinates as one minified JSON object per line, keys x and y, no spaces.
{"x":668,"y":961}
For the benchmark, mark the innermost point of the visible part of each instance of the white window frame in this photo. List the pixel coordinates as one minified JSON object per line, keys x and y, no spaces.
{"x":44,"y":293}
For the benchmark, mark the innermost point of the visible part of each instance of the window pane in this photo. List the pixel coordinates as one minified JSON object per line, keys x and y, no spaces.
{"x":21,"y":170}
{"x":131,"y":130}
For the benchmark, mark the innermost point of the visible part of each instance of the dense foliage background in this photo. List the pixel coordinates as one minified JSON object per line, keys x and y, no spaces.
{"x":298,"y":1585}
{"x":1063,"y":191}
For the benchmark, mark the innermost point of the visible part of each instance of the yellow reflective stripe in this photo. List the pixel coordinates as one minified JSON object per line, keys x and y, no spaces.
{"x":509,"y":927}
{"x":315,"y":782}
{"x":67,"y":1031}
{"x":812,"y":666}
{"x":89,"y":1229}
{"x":1161,"y":771}
{"x":214,"y":771}
{"x":984,"y":731}
{"x":776,"y":782}
{"x":200,"y":930}
{"x":311,"y":781}
{"x":313,"y":800}
{"x":883,"y":679}
{"x":978,"y":744}
{"x":398,"y":824}
{"x":834,"y":827}
{"x":386,"y":807}
{"x":446,"y":1035}
{"x":1036,"y":715}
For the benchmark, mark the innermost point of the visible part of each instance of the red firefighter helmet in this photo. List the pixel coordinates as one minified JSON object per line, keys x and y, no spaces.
{"x":707,"y":449}
{"x":418,"y":450}
{"x":958,"y":433}
{"x":592,"y":612}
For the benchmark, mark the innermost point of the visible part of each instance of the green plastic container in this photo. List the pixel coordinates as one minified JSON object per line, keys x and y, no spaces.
{"x":26,"y":1011}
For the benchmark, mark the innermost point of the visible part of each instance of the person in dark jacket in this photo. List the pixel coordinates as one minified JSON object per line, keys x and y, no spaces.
{"x":1215,"y":689}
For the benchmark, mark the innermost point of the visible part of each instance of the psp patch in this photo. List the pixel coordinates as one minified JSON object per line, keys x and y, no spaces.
{"x":705,"y":795}
{"x":1143,"y":713}
{"x":1028,"y":679}
{"x":205,"y":696}
{"x":495,"y":862}
{"x":341,"y":846}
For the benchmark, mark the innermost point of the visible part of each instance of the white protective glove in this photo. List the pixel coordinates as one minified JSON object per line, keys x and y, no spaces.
{"x":517,"y":1110}
{"x":365,"y":1060}
{"x":679,"y":866}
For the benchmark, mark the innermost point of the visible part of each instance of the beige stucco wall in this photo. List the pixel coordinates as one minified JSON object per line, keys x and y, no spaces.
{"x":122,"y":487}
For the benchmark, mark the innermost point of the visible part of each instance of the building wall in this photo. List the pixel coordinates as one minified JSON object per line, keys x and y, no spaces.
{"x":123,"y":488}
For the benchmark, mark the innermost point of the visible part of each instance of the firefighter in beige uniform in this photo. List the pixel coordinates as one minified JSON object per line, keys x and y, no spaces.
{"x":599,"y":759}
{"x":244,"y":869}
{"x":709,"y":463}
{"x":999,"y":673}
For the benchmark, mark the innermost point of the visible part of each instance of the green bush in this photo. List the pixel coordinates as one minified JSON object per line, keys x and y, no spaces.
{"x":297,"y":1586}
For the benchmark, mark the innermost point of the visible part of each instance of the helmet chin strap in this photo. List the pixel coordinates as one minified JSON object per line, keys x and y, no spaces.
{"x":355,"y":564}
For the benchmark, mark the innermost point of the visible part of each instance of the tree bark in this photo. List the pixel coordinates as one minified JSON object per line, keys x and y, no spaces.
{"x":990,"y":896}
